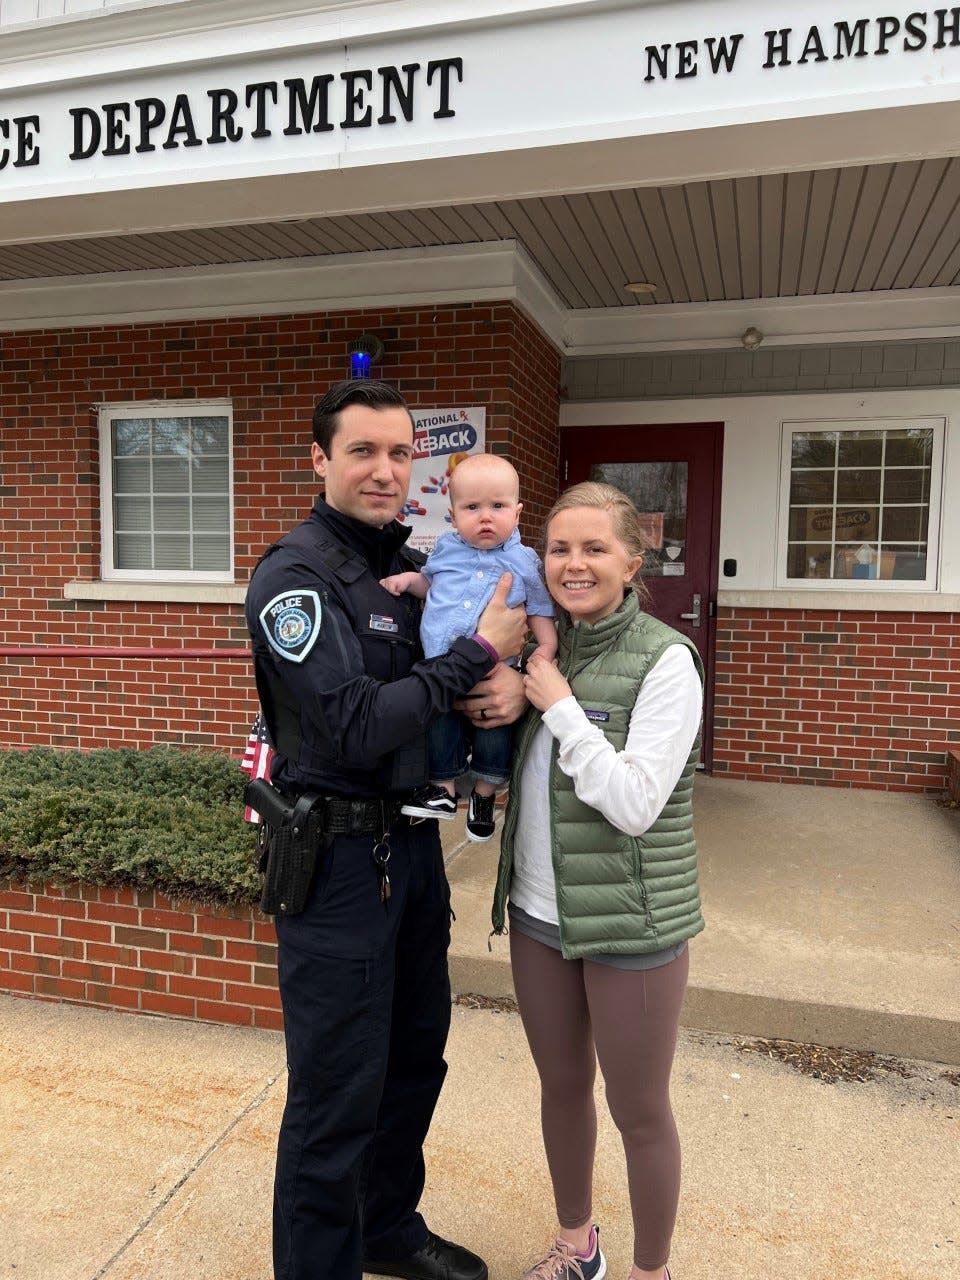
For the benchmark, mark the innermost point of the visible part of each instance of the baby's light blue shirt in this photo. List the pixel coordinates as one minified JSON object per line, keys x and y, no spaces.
{"x":463,"y":578}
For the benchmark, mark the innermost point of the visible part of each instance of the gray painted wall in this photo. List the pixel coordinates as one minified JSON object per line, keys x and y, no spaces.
{"x":777,"y":369}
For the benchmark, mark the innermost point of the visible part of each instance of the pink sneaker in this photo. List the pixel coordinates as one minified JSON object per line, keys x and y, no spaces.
{"x":561,"y":1263}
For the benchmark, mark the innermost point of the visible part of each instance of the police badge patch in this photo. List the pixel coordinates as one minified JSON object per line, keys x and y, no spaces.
{"x":291,"y":623}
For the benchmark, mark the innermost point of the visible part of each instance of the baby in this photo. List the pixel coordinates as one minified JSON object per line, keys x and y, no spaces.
{"x":457,"y":582}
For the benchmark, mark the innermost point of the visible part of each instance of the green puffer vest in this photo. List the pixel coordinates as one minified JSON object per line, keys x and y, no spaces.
{"x":616,"y":894}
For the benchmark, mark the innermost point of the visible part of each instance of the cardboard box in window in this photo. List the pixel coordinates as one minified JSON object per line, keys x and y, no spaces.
{"x":906,"y":566}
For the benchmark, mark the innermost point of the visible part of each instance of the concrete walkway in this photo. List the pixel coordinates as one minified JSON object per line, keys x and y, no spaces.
{"x":134,"y":1148}
{"x":832,"y":916}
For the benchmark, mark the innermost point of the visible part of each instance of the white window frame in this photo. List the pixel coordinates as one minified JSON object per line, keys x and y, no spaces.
{"x":787,"y":430}
{"x":157,"y":409}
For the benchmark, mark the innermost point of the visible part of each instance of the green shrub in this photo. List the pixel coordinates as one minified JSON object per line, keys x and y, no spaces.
{"x":162,"y":818}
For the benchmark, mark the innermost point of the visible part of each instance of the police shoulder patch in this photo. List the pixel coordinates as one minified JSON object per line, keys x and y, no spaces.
{"x":291,"y":623}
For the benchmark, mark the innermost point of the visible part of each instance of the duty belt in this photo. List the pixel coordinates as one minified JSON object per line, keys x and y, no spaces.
{"x":330,"y":815}
{"x":339,"y":815}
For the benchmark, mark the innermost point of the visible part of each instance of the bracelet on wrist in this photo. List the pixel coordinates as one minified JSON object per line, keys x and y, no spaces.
{"x":485,"y":644}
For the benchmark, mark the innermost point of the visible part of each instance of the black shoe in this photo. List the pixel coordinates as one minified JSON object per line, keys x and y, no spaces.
{"x":437,"y":1260}
{"x":431,"y":802}
{"x":480,"y":820}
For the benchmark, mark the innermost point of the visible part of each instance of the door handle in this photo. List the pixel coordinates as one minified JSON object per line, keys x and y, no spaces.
{"x":694,"y":617}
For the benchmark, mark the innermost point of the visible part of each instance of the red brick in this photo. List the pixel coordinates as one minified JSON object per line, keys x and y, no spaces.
{"x":15,"y":941}
{"x":174,"y":1006}
{"x":86,"y":930}
{"x":61,"y":988}
{"x":202,"y":988}
{"x":197,"y":944}
{"x":238,"y":1015}
{"x":228,"y":970}
{"x":33,"y":923}
{"x":14,"y":981}
{"x":16,"y":900}
{"x":258,"y":997}
{"x":268,"y":1019}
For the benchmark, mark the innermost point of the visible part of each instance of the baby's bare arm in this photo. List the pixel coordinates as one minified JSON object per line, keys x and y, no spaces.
{"x":414,"y":584}
{"x":545,"y":634}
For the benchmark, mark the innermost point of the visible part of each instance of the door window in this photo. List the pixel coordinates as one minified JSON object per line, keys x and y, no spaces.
{"x":659,"y":492}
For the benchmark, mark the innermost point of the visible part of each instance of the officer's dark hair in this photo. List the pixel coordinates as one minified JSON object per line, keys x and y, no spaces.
{"x":365,"y":391}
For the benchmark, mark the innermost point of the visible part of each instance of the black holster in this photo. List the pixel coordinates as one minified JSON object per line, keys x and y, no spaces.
{"x":289,"y":843}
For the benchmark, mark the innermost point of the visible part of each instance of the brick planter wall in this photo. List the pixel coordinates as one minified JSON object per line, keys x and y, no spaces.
{"x":841,"y":699}
{"x":137,"y":951}
{"x":272,"y":369}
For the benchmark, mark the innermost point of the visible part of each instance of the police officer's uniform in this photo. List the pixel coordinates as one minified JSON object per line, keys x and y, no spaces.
{"x":347,"y":698}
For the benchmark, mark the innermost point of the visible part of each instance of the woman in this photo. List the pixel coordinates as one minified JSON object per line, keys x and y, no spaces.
{"x":603,"y":897}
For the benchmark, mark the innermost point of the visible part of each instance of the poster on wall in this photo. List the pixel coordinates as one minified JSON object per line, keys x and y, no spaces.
{"x":441,"y":439}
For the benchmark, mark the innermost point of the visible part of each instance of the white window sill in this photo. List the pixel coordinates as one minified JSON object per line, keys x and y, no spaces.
{"x":158,"y":592}
{"x":862,"y":601}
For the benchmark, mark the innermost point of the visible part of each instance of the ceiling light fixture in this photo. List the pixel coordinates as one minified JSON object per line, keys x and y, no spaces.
{"x":640,"y":286}
{"x":751,"y":338}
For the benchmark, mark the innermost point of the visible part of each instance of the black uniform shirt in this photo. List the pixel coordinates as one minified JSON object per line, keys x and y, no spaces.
{"x":343,"y":684}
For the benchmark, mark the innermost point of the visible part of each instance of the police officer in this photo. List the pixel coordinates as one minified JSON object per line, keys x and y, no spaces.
{"x":347,"y":697}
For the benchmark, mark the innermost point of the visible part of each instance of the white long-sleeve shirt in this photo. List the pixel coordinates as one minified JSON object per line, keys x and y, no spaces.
{"x":629,"y":787}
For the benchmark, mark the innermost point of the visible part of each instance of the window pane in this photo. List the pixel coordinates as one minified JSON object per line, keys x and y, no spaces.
{"x":907,"y":485}
{"x":210,"y":435}
{"x":909,"y":563}
{"x":130,"y":436}
{"x":811,"y":486}
{"x":858,"y":486}
{"x":856,"y":562}
{"x":860,"y":449}
{"x":209,"y":475}
{"x":130,"y":515}
{"x":170,"y":475}
{"x":132,"y":551}
{"x":808,"y":561}
{"x":811,"y":524}
{"x":814,"y":449}
{"x":210,"y":515}
{"x":211,"y":555}
{"x":905,"y":524}
{"x":171,"y":513}
{"x":855,"y":523}
{"x":910,"y":448}
{"x":659,"y":492}
{"x":171,"y":435}
{"x":131,"y":475}
{"x":172,"y":551}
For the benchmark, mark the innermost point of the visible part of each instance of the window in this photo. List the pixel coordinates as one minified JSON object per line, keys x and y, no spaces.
{"x":860,"y":503}
{"x":166,"y":492}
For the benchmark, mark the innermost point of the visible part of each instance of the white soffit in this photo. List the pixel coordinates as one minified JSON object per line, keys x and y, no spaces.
{"x":880,"y":316}
{"x":446,"y":275}
{"x":498,"y":271}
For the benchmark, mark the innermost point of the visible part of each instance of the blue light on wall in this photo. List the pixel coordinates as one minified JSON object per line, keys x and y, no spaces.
{"x":364,"y":351}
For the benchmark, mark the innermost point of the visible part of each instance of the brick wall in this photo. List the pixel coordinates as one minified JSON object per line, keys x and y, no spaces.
{"x":140,"y":952}
{"x":843,"y":699}
{"x":272,"y":369}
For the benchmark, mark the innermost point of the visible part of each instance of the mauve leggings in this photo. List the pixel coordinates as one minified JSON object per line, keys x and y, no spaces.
{"x":570,"y":1007}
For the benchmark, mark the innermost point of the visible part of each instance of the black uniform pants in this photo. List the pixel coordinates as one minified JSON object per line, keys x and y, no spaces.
{"x":366,"y":1004}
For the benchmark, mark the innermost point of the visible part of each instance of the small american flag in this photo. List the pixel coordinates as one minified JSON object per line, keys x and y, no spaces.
{"x":256,"y":760}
